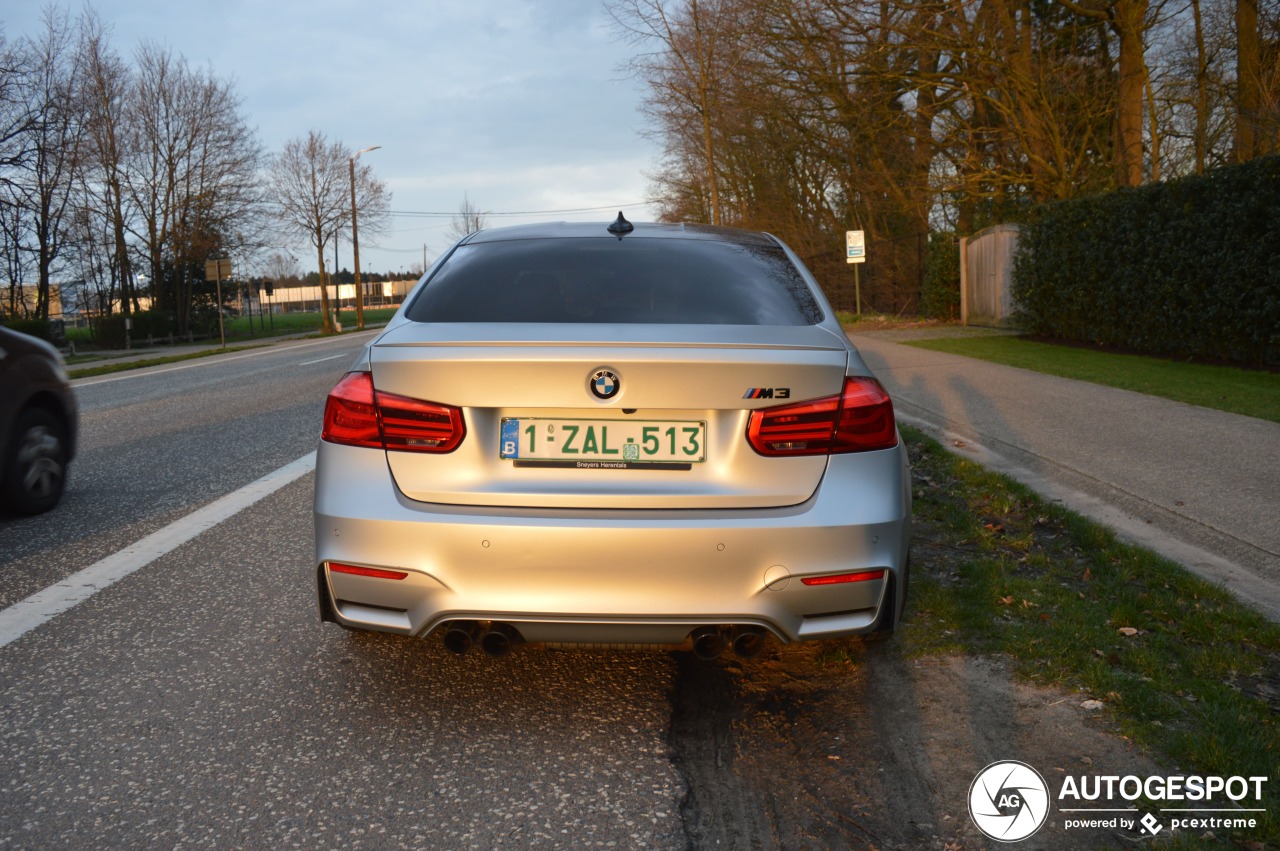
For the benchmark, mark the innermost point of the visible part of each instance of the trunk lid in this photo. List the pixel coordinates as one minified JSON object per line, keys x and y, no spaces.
{"x":684,"y":392}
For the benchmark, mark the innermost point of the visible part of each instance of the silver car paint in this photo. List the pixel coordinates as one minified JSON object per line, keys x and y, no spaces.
{"x":612,"y":560}
{"x":612,"y":576}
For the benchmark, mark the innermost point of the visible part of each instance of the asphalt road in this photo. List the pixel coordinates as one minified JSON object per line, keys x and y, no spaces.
{"x":198,"y":702}
{"x":171,"y":685}
{"x":1200,"y":486}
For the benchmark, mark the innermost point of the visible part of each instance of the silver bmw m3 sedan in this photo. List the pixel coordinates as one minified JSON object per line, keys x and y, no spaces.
{"x":613,"y":435}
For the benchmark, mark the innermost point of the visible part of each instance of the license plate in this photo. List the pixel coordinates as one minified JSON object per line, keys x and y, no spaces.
{"x":603,"y":443}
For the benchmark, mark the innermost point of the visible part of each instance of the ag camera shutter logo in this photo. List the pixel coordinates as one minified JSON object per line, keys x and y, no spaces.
{"x":1009,"y":801}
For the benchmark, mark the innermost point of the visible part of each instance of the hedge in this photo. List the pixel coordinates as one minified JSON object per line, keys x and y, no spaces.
{"x":31,"y":327}
{"x":1189,"y":268}
{"x":109,"y":331}
{"x":940,"y":291}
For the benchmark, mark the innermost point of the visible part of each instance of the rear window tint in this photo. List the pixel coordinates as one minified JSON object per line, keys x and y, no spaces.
{"x":665,"y":281}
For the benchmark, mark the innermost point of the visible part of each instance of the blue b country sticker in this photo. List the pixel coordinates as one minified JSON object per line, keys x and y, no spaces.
{"x":510,"y":439}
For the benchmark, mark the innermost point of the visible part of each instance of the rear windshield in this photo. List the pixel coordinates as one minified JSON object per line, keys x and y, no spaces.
{"x":667,"y":281}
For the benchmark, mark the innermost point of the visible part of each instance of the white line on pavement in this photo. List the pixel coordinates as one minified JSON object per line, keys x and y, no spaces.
{"x":322,"y":360}
{"x":43,"y":606}
{"x":211,"y":361}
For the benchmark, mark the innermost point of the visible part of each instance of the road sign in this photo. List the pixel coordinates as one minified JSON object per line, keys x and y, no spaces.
{"x":215,"y":270}
{"x":855,"y":247}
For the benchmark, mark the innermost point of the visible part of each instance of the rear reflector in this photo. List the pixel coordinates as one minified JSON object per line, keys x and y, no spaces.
{"x":357,"y":415}
{"x":371,"y":572}
{"x":858,"y":420}
{"x":839,"y":578}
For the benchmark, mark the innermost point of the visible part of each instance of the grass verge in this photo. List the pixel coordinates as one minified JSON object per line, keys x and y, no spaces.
{"x":1239,"y":391}
{"x":122,"y":366}
{"x":1180,"y":666}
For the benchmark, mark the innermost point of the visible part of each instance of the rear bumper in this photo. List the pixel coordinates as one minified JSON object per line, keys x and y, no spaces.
{"x":611,"y":576}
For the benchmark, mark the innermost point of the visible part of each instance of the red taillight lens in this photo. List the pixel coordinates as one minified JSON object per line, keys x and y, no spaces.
{"x":866,"y":418}
{"x":349,"y":414}
{"x":858,"y":420}
{"x":411,"y":425}
{"x":357,"y":415}
{"x":840,"y":578}
{"x":371,"y":572}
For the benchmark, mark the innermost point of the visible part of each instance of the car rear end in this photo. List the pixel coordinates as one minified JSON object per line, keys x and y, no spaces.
{"x":568,"y":437}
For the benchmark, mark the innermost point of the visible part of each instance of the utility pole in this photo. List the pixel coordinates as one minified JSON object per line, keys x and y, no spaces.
{"x":355,"y":238}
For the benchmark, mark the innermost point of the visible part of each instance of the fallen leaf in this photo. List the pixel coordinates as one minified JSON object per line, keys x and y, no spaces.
{"x":1006,"y":601}
{"x":1092,"y":706}
{"x":1088,"y":574}
{"x":1128,"y":630}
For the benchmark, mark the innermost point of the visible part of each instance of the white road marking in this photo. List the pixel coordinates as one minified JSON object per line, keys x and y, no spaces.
{"x":43,"y":606}
{"x":322,"y":360}
{"x":210,"y":361}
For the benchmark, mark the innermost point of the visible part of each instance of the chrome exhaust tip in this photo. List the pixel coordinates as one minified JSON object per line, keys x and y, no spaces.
{"x":749,"y":642}
{"x":708,"y":642}
{"x":461,"y":636}
{"x":500,"y":639}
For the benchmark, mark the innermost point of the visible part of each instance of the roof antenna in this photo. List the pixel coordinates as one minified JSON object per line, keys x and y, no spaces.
{"x":621,"y":226}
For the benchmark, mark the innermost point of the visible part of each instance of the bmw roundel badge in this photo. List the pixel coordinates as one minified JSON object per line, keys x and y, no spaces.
{"x":604,"y":384}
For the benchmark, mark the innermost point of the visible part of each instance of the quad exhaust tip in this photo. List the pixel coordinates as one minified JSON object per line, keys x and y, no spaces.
{"x":461,"y":636}
{"x":710,"y":641}
{"x":499,"y":639}
{"x":749,"y":642}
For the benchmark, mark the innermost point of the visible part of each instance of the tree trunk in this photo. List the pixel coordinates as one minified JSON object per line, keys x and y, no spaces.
{"x":326,"y":320}
{"x":1248,"y":79}
{"x":1128,"y":26}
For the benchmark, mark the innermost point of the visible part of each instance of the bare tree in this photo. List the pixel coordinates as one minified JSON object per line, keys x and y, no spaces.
{"x":191,"y":174}
{"x":42,"y":184}
{"x":16,"y":115}
{"x":282,"y":267}
{"x":696,"y":52}
{"x":105,"y":99}
{"x":1257,"y":31}
{"x":469,"y":220}
{"x":1129,"y":21}
{"x":309,"y":183}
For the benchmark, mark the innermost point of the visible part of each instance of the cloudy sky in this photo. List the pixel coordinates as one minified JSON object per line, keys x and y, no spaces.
{"x":519,"y":104}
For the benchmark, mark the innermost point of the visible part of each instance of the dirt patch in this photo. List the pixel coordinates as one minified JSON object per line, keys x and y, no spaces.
{"x":850,"y":745}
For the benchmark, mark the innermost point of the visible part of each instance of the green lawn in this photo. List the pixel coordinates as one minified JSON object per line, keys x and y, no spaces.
{"x":1253,"y":393}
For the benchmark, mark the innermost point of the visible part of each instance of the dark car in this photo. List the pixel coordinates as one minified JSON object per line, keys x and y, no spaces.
{"x":38,"y":424}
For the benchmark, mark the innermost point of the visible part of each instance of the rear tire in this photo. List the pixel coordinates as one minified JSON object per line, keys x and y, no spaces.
{"x":36,"y":463}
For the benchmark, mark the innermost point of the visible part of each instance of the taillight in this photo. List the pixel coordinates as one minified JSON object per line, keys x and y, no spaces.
{"x":841,"y":578}
{"x":349,"y":415}
{"x":858,"y":420}
{"x":371,"y":572}
{"x":357,"y":415}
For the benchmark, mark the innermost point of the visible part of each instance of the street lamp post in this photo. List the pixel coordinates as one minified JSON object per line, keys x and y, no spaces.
{"x":355,"y":238}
